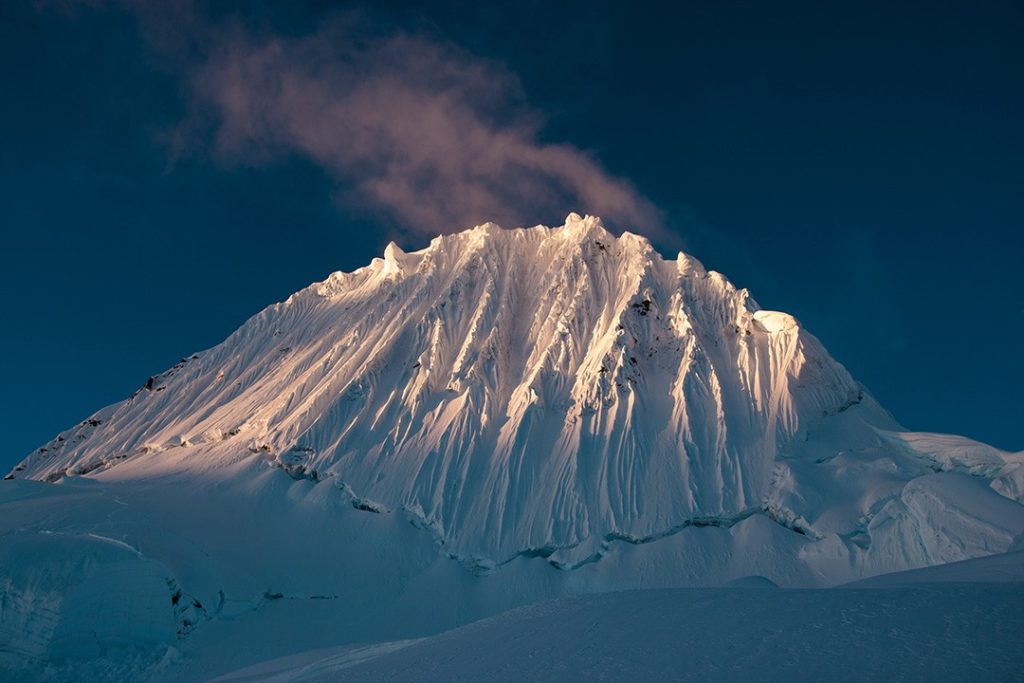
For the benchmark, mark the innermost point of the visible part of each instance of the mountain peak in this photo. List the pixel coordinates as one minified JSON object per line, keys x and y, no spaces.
{"x":585,"y":226}
{"x":537,"y":390}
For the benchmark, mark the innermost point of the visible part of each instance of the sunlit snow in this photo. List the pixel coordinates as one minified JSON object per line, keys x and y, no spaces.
{"x":504,"y":417}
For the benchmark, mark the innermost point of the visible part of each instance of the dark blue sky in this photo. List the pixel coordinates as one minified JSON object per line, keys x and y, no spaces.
{"x":858,"y":165}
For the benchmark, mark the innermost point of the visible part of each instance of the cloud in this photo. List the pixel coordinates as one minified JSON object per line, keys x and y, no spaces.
{"x":409,"y":125}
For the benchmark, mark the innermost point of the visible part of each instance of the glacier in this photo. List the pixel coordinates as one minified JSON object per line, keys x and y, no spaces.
{"x":503,"y":417}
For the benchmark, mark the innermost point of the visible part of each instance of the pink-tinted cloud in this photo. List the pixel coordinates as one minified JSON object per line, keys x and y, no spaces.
{"x":407,"y":124}
{"x":410,"y":125}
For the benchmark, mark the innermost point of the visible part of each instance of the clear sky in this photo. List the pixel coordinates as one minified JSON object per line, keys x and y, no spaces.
{"x":165,"y":174}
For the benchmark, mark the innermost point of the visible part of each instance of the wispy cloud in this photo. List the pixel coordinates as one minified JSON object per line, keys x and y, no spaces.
{"x":413,"y":128}
{"x":412,"y":125}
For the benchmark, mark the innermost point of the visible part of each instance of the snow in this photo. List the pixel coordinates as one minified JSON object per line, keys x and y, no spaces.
{"x":1002,"y":568}
{"x":501,"y":418}
{"x":921,"y":626}
{"x":77,"y":595}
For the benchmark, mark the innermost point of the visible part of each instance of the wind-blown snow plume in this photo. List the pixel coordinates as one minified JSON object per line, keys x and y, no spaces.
{"x":416,"y":126}
{"x":409,"y":124}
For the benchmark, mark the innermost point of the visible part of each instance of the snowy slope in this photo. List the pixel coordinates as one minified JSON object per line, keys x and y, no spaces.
{"x":179,"y":579}
{"x":924,"y":627}
{"x":504,"y":417}
{"x":956,"y":634}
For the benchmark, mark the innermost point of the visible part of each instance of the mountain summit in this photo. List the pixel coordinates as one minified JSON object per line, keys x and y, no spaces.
{"x":502,"y":418}
{"x":550,"y":392}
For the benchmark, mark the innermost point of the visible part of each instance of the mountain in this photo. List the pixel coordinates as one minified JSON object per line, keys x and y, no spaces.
{"x":503,"y":417}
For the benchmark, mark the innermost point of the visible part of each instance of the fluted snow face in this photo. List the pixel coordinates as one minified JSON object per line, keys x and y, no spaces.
{"x":515,"y":391}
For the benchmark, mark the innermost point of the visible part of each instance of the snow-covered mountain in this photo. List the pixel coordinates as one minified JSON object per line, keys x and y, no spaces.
{"x":541,"y":392}
{"x":555,"y":411}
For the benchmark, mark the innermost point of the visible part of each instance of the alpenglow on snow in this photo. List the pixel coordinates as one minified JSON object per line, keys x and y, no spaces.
{"x":552,"y":393}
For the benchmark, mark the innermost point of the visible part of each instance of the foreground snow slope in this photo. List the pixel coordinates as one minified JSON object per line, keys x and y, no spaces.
{"x":504,"y":417}
{"x":928,"y":628}
{"x":186,"y":580}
